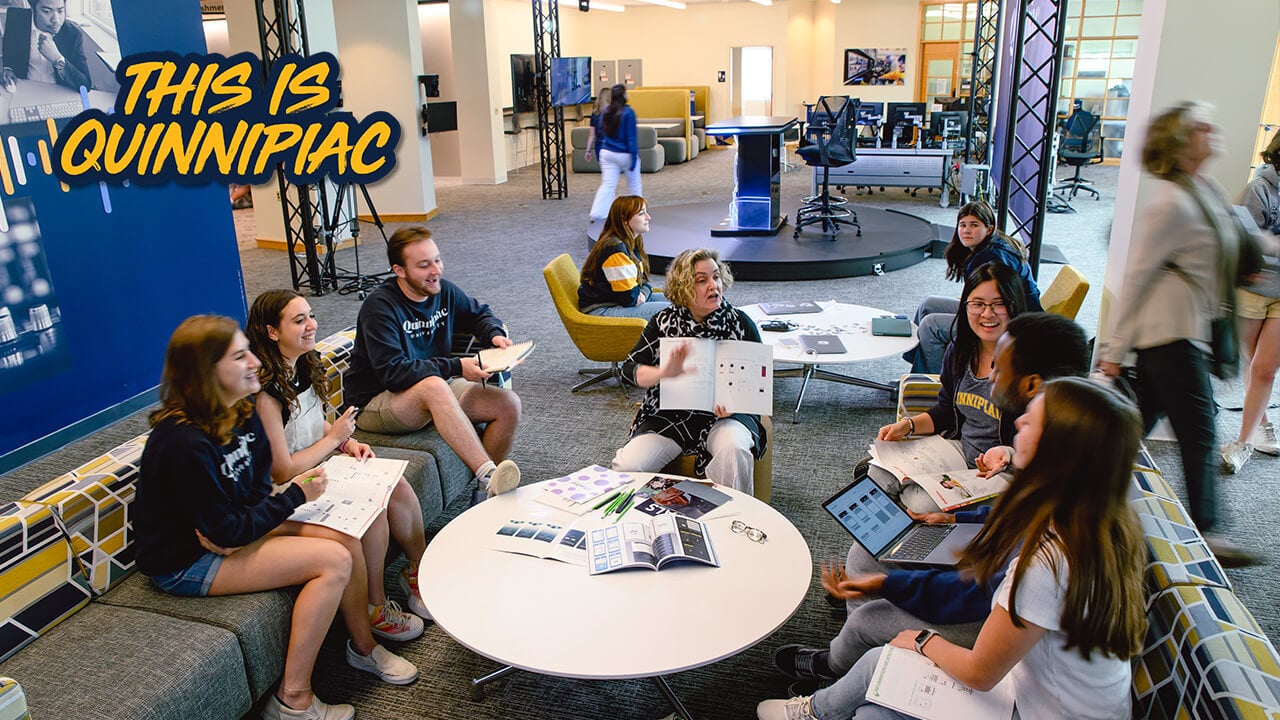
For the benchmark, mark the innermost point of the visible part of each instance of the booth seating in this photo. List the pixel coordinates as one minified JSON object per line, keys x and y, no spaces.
{"x":667,"y":107}
{"x":701,"y":108}
{"x":1204,"y":656}
{"x":83,"y":633}
{"x":652,"y":157}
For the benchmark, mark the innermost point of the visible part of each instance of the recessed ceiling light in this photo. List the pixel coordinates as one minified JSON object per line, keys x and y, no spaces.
{"x":666,"y":3}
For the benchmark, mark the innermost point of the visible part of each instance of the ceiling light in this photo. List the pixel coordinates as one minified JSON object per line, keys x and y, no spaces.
{"x":607,"y":6}
{"x":835,"y":2}
{"x":666,"y":3}
{"x":766,"y":3}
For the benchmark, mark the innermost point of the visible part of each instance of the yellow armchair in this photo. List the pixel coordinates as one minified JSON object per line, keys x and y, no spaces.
{"x":602,"y":339}
{"x":1065,"y":294}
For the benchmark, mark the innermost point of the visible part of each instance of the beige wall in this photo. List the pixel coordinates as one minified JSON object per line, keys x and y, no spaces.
{"x":873,"y":24}
{"x":437,"y":59}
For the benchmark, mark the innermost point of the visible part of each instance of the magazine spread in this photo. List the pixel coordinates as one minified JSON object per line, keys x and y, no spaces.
{"x":911,"y":683}
{"x":357,"y":491}
{"x":542,"y":540}
{"x":686,"y":497}
{"x":649,"y":543}
{"x":734,"y":373}
{"x":935,"y":464}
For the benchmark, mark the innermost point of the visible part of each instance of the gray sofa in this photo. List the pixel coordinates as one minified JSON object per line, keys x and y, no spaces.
{"x":85,"y":634}
{"x":651,"y":154}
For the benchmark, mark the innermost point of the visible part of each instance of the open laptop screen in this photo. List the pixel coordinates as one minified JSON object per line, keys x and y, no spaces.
{"x":871,"y":516}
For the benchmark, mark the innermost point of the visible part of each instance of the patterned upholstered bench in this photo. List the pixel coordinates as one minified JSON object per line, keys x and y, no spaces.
{"x":1204,"y":657}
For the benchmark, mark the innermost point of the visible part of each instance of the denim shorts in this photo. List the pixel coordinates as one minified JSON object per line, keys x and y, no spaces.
{"x":193,"y":580}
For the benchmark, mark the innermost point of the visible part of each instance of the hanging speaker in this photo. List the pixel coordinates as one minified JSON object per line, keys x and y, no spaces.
{"x":584,"y":5}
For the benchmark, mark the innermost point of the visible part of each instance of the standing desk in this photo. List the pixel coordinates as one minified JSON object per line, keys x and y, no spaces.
{"x":755,"y":209}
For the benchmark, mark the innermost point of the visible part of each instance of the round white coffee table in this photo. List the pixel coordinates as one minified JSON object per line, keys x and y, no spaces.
{"x":554,"y":618}
{"x":851,"y":323}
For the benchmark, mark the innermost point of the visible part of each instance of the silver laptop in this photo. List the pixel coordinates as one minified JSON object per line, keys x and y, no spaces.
{"x":887,"y":532}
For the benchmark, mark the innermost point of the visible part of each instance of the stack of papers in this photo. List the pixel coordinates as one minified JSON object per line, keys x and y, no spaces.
{"x":577,"y":492}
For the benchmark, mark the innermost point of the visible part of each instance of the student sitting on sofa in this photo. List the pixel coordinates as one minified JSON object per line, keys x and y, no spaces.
{"x":615,"y":276}
{"x":965,"y":412}
{"x":206,"y":522}
{"x":724,"y":444}
{"x":1068,"y":614}
{"x":974,"y":243}
{"x":282,"y":334}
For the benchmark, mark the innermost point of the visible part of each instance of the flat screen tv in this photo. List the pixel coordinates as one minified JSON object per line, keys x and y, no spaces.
{"x":570,"y":81}
{"x":522,"y":84}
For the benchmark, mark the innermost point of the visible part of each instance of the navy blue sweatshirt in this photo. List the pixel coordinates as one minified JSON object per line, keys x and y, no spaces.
{"x":625,"y":139}
{"x":996,"y":250}
{"x":400,"y":342}
{"x":188,"y":481}
{"x":943,"y":596}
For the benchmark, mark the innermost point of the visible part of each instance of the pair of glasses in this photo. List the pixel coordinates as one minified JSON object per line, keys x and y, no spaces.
{"x":752,"y":534}
{"x":975,"y":307}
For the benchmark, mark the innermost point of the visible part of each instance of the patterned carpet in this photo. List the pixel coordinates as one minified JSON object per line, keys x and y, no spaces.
{"x":495,"y":241}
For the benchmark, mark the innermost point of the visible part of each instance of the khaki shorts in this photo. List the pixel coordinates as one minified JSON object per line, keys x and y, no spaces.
{"x":1252,"y":306}
{"x":376,"y":417}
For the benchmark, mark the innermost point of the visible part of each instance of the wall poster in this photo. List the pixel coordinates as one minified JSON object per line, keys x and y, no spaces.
{"x":875,"y":66}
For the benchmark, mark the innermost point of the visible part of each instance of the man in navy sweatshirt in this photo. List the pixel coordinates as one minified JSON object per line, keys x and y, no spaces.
{"x":404,"y":378}
{"x":1035,"y":348}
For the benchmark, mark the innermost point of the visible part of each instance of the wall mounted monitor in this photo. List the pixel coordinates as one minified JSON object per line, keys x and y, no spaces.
{"x":870,"y":113}
{"x":570,"y":81}
{"x":442,"y":116}
{"x":522,"y":84}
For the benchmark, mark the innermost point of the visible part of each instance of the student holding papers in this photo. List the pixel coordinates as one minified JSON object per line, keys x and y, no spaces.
{"x":206,"y":522}
{"x":1068,"y":543}
{"x":724,"y":443}
{"x":965,"y":412}
{"x":282,"y":333}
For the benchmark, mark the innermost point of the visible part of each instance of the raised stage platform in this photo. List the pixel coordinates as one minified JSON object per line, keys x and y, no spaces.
{"x":890,"y":240}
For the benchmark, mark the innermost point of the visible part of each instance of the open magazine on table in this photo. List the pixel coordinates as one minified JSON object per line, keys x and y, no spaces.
{"x":911,"y":683}
{"x":935,"y":464}
{"x":540,"y":539}
{"x":734,"y":373}
{"x":650,"y":543}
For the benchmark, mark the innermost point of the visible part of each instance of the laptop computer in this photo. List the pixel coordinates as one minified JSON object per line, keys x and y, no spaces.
{"x":790,"y":308}
{"x":887,"y":532}
{"x":822,"y":344}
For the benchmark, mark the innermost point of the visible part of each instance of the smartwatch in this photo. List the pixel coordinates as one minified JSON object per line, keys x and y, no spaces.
{"x":924,"y":636}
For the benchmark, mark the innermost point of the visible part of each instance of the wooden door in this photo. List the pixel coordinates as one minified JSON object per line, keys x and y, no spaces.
{"x":939,"y":65}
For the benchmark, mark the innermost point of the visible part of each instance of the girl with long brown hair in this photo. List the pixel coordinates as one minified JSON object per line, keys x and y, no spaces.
{"x":615,"y":276}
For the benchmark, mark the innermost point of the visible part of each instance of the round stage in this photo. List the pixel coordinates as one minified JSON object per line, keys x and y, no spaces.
{"x":890,"y":240}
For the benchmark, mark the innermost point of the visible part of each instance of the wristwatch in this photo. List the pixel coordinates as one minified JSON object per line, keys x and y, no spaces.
{"x":923,"y":637}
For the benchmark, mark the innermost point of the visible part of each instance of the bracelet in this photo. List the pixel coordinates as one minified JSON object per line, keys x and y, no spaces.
{"x":342,"y":447}
{"x":910,"y":424}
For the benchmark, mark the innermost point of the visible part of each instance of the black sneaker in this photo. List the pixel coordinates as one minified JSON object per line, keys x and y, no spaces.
{"x":805,"y":688}
{"x":802,"y":663}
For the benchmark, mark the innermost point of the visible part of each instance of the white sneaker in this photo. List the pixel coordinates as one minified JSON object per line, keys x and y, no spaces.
{"x":1264,"y":439}
{"x":276,"y":710}
{"x":797,"y":708}
{"x":389,"y":622}
{"x":1235,"y":455}
{"x":504,"y":478}
{"x":409,"y":584}
{"x":385,"y":664}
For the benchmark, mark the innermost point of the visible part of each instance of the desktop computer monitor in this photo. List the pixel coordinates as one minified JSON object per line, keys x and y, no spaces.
{"x":901,"y":119}
{"x":522,"y":88}
{"x":870,"y":113}
{"x":946,"y":123}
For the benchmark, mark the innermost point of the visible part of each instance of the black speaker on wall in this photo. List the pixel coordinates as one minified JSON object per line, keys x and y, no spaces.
{"x":584,"y":5}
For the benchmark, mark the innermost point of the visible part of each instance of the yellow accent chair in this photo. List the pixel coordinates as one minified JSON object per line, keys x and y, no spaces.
{"x":1065,"y":294}
{"x":602,"y":339}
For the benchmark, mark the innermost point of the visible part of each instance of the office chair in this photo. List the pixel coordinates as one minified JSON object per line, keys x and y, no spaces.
{"x":830,"y":143}
{"x":1081,"y":146}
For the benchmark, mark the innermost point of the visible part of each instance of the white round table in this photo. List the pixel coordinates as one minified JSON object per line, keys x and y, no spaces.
{"x":554,"y":618}
{"x":851,"y":323}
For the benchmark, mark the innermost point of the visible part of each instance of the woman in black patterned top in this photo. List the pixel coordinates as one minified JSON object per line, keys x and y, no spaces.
{"x":724,"y":444}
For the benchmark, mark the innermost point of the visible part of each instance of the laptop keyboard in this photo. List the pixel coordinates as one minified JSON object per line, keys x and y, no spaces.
{"x":34,"y":113}
{"x":922,"y":541}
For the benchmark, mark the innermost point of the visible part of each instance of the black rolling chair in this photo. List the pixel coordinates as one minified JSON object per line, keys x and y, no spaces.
{"x":1081,"y":146}
{"x":828,"y":142}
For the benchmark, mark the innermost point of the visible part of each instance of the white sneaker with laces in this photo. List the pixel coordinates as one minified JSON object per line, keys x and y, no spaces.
{"x":797,"y":708}
{"x":1235,"y":455}
{"x":385,"y":664}
{"x":1264,"y":439}
{"x":504,"y":478}
{"x":409,"y":584}
{"x":389,"y":622}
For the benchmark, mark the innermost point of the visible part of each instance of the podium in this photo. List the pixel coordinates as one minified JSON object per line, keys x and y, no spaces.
{"x":755,"y":209}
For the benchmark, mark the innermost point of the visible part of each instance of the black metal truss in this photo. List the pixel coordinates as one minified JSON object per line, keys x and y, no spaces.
{"x":982,"y":81}
{"x":282,"y":30}
{"x":546,"y":45}
{"x":1030,"y":118}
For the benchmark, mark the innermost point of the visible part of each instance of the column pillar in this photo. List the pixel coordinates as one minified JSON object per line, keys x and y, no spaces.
{"x":476,"y":83}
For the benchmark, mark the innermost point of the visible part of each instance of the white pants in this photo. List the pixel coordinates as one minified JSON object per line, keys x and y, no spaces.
{"x":729,"y":443}
{"x":613,"y":164}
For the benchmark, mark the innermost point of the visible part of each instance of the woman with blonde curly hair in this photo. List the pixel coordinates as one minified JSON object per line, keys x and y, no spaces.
{"x":1186,"y":258}
{"x":724,"y":444}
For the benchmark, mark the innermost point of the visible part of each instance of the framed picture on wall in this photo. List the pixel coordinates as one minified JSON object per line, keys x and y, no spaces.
{"x":875,"y":66}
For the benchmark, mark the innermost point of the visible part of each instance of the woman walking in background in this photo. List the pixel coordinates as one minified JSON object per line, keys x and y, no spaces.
{"x":1184,"y":250}
{"x":615,"y":276}
{"x":597,"y":113}
{"x":1259,"y":311}
{"x":618,"y":150}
